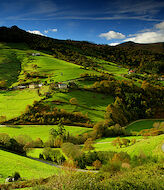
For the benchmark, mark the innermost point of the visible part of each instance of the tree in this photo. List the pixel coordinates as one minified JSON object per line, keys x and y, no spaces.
{"x":3,"y":84}
{"x":88,"y":144}
{"x":73,"y":101}
{"x":97,"y":164}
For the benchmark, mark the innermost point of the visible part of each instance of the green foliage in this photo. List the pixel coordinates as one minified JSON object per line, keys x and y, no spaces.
{"x":52,"y":155}
{"x":88,"y":144}
{"x":71,"y":150}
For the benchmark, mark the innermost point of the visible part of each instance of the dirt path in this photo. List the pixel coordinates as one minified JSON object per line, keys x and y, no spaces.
{"x":59,"y":166}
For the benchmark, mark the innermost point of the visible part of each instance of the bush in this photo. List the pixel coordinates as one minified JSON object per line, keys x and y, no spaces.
{"x":16,"y":176}
{"x":53,"y":155}
{"x":88,"y":145}
{"x":97,"y":164}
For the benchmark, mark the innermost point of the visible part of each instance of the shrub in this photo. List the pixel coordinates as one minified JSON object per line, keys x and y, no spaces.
{"x":88,"y":145}
{"x":97,"y":164}
{"x":16,"y":176}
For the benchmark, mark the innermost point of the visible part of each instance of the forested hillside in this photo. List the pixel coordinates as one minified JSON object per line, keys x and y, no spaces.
{"x":143,"y":57}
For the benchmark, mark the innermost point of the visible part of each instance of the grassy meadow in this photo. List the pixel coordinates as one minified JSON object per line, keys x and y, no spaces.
{"x":39,"y":131}
{"x":92,"y":103}
{"x":13,"y":103}
{"x":150,"y":146}
{"x":28,"y":168}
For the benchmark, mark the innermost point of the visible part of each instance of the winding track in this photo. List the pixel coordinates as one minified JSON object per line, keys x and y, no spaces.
{"x":59,"y":166}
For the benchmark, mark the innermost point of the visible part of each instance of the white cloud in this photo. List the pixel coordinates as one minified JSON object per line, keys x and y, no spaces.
{"x":149,"y":36}
{"x":160,"y":26}
{"x":35,"y":32}
{"x":112,"y":35}
{"x":113,"y":44}
{"x":51,"y":30}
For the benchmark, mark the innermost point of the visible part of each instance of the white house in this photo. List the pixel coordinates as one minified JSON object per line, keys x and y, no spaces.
{"x":33,"y":86}
{"x":21,"y":87}
{"x":62,"y":86}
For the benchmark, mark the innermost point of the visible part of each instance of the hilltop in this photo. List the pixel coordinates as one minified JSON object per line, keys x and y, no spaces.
{"x":143,"y":57}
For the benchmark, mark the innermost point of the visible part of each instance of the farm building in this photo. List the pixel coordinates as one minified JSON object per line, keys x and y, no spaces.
{"x":33,"y":86}
{"x":20,"y":87}
{"x":35,"y":54}
{"x":131,"y":71}
{"x":161,"y":78}
{"x":62,"y":86}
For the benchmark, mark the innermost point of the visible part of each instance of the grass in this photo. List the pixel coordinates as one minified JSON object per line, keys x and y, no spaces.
{"x":110,"y":139}
{"x":9,"y":61}
{"x":13,"y":103}
{"x":60,"y":70}
{"x":28,"y":168}
{"x":39,"y":131}
{"x":92,"y":103}
{"x":34,"y":152}
{"x":150,"y":146}
{"x":142,"y":124}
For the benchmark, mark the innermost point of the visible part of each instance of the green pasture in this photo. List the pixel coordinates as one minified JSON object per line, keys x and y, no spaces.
{"x":10,"y":65}
{"x":142,"y":124}
{"x":115,"y":69}
{"x":91,"y":103}
{"x":60,"y":70}
{"x":150,"y":146}
{"x":28,"y":168}
{"x":39,"y":131}
{"x":86,"y":98}
{"x":34,"y":152}
{"x":110,"y":139}
{"x":13,"y":103}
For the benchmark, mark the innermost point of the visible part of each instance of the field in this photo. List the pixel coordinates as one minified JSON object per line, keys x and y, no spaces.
{"x":13,"y":103}
{"x":11,"y":58}
{"x":59,"y":70}
{"x":39,"y":131}
{"x":142,"y":124}
{"x":150,"y":146}
{"x":28,"y":168}
{"x":88,"y":102}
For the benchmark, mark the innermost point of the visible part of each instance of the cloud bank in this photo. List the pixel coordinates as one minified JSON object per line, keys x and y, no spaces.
{"x":35,"y":32}
{"x":112,"y":35}
{"x":150,"y":36}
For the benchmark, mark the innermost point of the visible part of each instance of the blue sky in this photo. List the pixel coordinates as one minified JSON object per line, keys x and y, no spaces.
{"x":98,"y":21}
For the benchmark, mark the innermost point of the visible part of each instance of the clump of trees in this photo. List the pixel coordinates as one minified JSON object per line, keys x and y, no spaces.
{"x":11,"y":144}
{"x":123,"y":142}
{"x":52,"y":155}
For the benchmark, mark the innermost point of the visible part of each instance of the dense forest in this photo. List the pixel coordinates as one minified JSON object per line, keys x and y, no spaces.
{"x":145,"y":58}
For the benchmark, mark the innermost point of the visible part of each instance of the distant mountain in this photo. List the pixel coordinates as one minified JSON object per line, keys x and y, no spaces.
{"x":155,"y":47}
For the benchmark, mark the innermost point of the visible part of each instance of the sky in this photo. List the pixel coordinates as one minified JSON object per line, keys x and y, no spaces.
{"x":98,"y":21}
